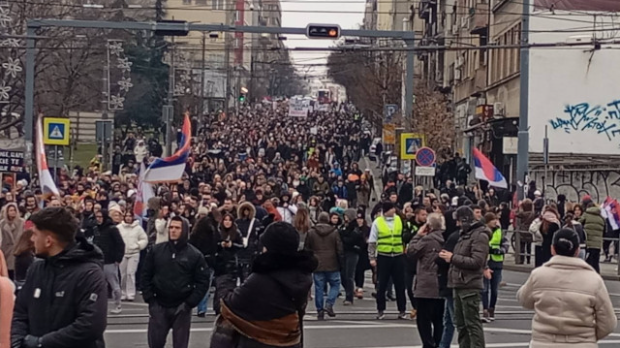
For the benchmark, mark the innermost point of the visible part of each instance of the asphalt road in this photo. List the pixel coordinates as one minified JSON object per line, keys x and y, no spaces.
{"x":355,"y":325}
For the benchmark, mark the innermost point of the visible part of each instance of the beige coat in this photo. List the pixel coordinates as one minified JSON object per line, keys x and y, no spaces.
{"x":571,"y":304}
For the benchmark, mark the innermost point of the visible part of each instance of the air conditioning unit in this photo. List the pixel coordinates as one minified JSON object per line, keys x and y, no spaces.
{"x":499,"y":110}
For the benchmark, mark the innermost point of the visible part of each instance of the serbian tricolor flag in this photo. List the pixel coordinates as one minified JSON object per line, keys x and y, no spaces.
{"x":485,"y":170}
{"x":145,"y":192}
{"x":48,"y":186}
{"x":611,"y":211}
{"x":171,"y":169}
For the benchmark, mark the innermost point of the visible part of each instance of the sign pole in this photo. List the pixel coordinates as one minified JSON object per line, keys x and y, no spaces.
{"x":55,"y":162}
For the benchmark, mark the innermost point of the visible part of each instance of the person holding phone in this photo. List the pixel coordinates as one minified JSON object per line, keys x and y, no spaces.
{"x":424,"y":248}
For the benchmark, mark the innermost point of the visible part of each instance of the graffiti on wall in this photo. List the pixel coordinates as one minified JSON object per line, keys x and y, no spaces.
{"x":577,"y":184}
{"x":603,"y":120}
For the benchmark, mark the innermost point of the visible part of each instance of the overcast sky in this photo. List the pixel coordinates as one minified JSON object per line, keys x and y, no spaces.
{"x":311,"y":13}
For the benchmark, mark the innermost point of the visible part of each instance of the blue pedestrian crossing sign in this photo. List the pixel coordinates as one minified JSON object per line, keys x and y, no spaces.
{"x":56,"y":131}
{"x":410,"y":143}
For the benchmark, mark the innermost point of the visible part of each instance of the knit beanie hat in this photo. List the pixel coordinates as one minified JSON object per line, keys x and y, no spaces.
{"x":280,"y":237}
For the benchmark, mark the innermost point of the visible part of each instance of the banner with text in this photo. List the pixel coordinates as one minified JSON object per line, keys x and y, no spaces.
{"x":298,"y":108}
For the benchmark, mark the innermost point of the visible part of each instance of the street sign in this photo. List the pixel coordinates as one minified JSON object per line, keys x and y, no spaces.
{"x":103,"y":130}
{"x":388,"y":112}
{"x":389,"y":134}
{"x":409,"y":145}
{"x":425,"y":157}
{"x":425,"y":171}
{"x":56,"y":131}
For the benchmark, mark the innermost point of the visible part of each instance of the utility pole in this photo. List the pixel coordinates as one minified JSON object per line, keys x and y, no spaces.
{"x":168,"y":116}
{"x":523,"y":135}
{"x":106,"y":108}
{"x":202,"y":75}
{"x":227,"y":57}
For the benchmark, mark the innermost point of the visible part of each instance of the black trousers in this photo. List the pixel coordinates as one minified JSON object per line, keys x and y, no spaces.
{"x":430,"y":321}
{"x":391,"y":268}
{"x":409,"y":277}
{"x":223,"y":283}
{"x":161,"y":320}
{"x":593,"y":258}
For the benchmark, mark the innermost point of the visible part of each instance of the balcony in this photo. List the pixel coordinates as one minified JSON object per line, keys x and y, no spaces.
{"x":479,"y":19}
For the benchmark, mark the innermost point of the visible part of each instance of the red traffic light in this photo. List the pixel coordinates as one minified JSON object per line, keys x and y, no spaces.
{"x":323,"y":31}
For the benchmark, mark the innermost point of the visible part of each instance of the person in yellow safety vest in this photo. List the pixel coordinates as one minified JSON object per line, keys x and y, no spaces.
{"x":386,"y":253}
{"x":498,"y":247}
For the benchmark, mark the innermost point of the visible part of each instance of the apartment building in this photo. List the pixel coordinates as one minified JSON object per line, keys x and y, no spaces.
{"x":566,"y":84}
{"x":217,"y":71}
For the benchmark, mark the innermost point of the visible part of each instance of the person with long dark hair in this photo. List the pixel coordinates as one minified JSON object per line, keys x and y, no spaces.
{"x":24,"y":255}
{"x":363,"y":264}
{"x":229,"y":242}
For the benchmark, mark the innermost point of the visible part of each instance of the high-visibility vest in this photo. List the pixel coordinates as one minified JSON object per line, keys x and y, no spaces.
{"x":496,"y":243}
{"x":390,"y":240}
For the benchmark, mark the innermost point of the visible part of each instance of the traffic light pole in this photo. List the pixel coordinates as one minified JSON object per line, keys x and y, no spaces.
{"x":175,"y":27}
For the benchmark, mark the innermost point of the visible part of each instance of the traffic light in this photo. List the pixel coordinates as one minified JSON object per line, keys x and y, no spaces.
{"x":162,"y":28}
{"x":323,"y":31}
{"x":242,"y":98}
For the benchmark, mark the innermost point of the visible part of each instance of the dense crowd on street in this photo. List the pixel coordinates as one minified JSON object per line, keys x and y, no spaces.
{"x":273,"y":212}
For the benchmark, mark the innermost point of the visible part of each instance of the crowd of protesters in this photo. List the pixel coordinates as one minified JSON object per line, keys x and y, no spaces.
{"x":267,"y":206}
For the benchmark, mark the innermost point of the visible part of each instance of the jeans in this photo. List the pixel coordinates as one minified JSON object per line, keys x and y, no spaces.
{"x":492,"y":285}
{"x":161,"y":320}
{"x":129,"y":267}
{"x":347,"y":275}
{"x":467,"y":318}
{"x":111,"y":276}
{"x":202,"y":306}
{"x":391,"y":268}
{"x":320,"y":280}
{"x":593,"y":258}
{"x":430,"y":321}
{"x":448,"y":323}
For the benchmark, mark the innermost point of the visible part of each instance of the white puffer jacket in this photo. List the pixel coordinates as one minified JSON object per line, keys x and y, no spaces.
{"x":572,"y":308}
{"x":134,"y":237}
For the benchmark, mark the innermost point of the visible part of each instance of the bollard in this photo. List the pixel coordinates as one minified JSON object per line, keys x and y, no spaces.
{"x":518,"y":260}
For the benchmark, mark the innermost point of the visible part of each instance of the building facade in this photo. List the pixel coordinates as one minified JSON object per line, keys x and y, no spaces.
{"x":570,"y":92}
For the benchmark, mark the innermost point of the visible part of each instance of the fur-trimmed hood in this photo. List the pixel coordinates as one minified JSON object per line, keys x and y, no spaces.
{"x":246,"y":206}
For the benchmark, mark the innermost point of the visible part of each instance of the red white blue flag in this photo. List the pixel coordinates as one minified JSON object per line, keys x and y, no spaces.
{"x":485,"y":170}
{"x":48,"y":186}
{"x":611,"y":211}
{"x":171,"y":169}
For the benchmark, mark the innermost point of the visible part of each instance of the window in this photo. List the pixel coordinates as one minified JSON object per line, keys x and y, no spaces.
{"x":201,"y":2}
{"x":187,"y":2}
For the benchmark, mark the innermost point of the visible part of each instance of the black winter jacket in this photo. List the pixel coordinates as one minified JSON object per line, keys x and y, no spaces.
{"x":204,"y":238}
{"x":352,"y":238}
{"x":64,"y":300}
{"x":282,"y":283}
{"x":109,"y":240}
{"x":444,"y":267}
{"x":253,"y":248}
{"x":226,"y":259}
{"x":175,"y":272}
